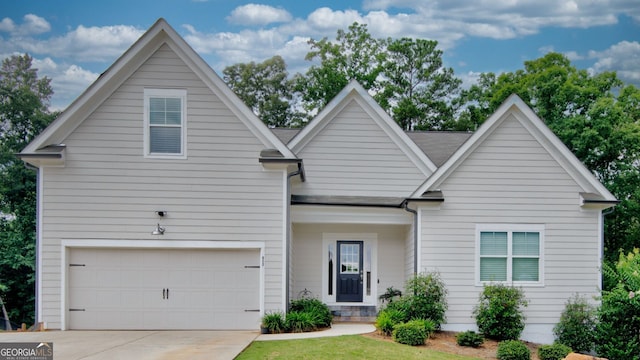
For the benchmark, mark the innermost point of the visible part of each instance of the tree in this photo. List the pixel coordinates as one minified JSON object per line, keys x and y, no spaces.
{"x":23,"y":114}
{"x":417,"y":89}
{"x":355,"y":55}
{"x":266,"y":89}
{"x":594,"y":115}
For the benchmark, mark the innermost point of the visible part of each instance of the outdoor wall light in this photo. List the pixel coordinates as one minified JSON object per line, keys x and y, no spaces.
{"x":159,"y":230}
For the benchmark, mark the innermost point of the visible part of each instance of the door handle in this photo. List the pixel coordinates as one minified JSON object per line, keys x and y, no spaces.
{"x":167,"y":293}
{"x":163,"y":293}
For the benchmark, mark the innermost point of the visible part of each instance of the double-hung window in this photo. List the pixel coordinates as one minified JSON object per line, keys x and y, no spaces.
{"x":165,"y":123}
{"x":509,"y":254}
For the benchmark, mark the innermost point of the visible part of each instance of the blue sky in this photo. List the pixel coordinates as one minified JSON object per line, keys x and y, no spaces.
{"x":73,"y":41}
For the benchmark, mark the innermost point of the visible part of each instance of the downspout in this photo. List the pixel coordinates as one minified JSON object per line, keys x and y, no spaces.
{"x":300,"y":172}
{"x":405,"y":206}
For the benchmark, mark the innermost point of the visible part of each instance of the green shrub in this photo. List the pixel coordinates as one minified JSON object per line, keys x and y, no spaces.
{"x":274,"y":322}
{"x":576,"y":328}
{"x":513,"y":350}
{"x":410,"y":333}
{"x":618,"y":328}
{"x":426,"y":298}
{"x":387,"y":319}
{"x":402,"y":306}
{"x":469,"y":338}
{"x":390,"y":294}
{"x":553,"y":352}
{"x":320,"y":312}
{"x":499,"y":313}
{"x":429,"y":326}
{"x":299,"y":322}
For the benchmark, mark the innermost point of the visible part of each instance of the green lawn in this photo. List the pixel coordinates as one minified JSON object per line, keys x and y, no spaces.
{"x":340,"y":347}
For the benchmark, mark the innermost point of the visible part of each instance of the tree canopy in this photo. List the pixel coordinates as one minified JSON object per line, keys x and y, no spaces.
{"x":266,"y":89}
{"x":416,"y":88}
{"x":595,"y":115}
{"x":23,"y":114}
{"x":354,"y":55}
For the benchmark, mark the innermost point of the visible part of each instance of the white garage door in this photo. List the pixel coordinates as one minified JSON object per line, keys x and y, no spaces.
{"x":163,"y":289}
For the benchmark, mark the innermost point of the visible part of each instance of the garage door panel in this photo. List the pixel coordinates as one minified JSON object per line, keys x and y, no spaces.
{"x":124,"y":289}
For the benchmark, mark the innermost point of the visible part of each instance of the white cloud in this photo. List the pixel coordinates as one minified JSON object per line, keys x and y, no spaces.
{"x":67,"y":80}
{"x":623,"y":57}
{"x":469,"y":78}
{"x":32,"y":25}
{"x":86,"y":43}
{"x":7,"y":25}
{"x":325,"y":18}
{"x":256,"y":14}
{"x":500,"y":19}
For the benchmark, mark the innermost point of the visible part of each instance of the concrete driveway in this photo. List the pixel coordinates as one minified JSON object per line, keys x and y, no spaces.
{"x":110,"y":345}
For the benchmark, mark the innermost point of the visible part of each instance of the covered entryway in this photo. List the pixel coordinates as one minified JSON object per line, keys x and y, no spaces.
{"x":143,"y":289}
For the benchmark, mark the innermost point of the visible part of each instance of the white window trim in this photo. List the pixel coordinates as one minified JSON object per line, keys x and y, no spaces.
{"x":368,"y":239}
{"x":510,"y":229}
{"x":175,"y":93}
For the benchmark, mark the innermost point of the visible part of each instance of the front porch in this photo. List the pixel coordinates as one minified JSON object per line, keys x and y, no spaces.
{"x":347,"y":257}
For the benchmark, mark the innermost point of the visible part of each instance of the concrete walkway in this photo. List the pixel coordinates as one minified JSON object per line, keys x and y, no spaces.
{"x":337,"y":329}
{"x":163,"y":345}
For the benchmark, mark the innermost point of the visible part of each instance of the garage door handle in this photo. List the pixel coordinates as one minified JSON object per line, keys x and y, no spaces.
{"x":164,"y":293}
{"x":167,"y":293}
{"x":252,"y":310}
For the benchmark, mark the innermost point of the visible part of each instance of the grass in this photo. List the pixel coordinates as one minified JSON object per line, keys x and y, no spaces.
{"x":340,"y":347}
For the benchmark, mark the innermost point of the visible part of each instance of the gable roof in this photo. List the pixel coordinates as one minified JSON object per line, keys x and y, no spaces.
{"x":160,"y":33}
{"x":515,"y":106}
{"x":437,"y":145}
{"x":355,"y":92}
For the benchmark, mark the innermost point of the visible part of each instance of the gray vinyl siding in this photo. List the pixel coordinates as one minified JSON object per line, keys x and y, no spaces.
{"x":353,"y":156}
{"x":511,"y":179}
{"x":108,"y":190}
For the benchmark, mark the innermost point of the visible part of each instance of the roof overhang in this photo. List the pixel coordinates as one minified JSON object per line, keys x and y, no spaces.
{"x":431,"y":197}
{"x":363,"y":201}
{"x":273,"y":159}
{"x":51,"y":155}
{"x":596,"y":202}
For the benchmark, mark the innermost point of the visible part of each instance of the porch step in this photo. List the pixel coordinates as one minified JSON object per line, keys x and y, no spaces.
{"x":348,"y":313}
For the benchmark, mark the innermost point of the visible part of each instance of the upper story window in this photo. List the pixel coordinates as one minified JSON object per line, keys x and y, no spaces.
{"x":509,"y":254}
{"x":165,"y":121}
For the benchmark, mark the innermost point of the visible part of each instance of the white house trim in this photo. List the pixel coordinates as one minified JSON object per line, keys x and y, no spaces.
{"x":319,"y":214}
{"x":39,"y":221}
{"x":518,"y":108}
{"x":173,"y":93}
{"x":510,"y":228}
{"x":66,"y":245}
{"x":368,"y":239}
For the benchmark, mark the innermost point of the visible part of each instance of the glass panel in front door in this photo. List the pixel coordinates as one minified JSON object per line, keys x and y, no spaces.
{"x":349,"y":258}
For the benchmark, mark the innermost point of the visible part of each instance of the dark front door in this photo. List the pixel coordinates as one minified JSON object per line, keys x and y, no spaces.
{"x":349,"y":271}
